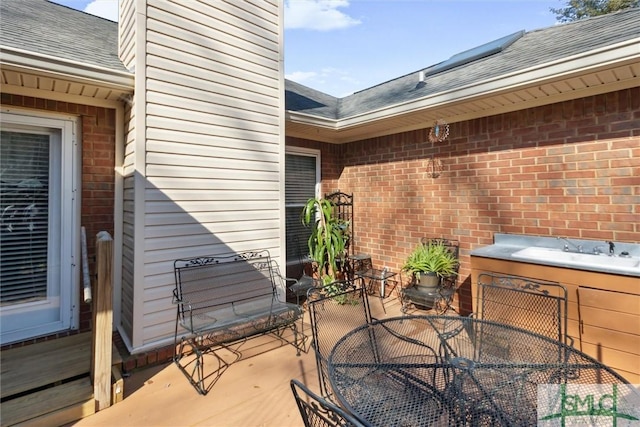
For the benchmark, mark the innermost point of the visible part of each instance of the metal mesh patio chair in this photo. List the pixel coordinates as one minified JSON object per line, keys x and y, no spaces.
{"x":505,"y":306}
{"x":300,"y":286}
{"x":525,"y":303}
{"x":319,"y":412}
{"x":335,"y":310}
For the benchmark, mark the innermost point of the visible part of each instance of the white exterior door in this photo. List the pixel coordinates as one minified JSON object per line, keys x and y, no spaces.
{"x":38,"y":226}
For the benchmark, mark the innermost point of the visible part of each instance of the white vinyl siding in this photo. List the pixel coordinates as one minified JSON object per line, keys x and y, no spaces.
{"x":126,"y":32}
{"x":128,"y":226}
{"x":213,"y":146}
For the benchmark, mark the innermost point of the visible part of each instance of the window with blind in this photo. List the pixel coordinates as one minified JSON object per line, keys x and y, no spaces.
{"x":301,"y":179}
{"x":39,"y":211}
{"x":24,"y":216}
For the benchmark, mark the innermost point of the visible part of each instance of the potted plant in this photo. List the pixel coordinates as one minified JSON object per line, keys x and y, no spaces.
{"x":429,"y":263}
{"x":328,"y":239}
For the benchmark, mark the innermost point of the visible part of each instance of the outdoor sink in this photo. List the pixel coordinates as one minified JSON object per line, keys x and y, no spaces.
{"x":585,"y":260}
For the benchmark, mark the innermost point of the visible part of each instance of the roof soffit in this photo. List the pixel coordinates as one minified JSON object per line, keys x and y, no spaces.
{"x":28,"y":72}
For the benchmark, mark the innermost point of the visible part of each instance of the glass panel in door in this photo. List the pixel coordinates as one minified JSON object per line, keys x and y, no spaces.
{"x":30,"y":235}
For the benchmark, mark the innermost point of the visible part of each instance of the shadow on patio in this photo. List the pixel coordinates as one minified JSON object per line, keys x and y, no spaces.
{"x":253,"y":391}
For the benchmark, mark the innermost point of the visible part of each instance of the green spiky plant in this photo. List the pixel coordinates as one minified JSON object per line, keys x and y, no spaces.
{"x":328,"y":238}
{"x":434,"y":258}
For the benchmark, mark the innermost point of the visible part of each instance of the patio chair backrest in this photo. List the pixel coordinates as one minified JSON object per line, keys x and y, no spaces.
{"x":538,"y":306}
{"x":317,"y":411}
{"x":246,"y":277}
{"x":303,"y":282}
{"x":343,"y":210}
{"x":335,"y":310}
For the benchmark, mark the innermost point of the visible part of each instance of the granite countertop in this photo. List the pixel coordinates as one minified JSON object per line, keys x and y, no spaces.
{"x":506,"y":245}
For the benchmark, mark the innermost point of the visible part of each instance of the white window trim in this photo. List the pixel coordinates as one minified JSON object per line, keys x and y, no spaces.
{"x":311,"y":153}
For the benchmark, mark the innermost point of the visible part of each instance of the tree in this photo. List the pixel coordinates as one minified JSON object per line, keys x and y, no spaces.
{"x":578,"y":9}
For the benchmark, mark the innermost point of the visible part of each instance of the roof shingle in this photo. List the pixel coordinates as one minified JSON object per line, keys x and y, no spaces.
{"x":51,"y":29}
{"x":61,"y":32}
{"x":533,"y":49}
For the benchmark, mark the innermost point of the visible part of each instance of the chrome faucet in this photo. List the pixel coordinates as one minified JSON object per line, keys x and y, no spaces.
{"x":597,"y":249}
{"x":569,"y":242}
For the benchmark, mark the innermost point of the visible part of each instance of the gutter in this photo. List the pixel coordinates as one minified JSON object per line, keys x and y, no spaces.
{"x":310,"y":119}
{"x":55,"y":67}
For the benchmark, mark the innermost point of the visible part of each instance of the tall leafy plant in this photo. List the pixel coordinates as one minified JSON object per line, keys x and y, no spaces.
{"x":328,"y":237}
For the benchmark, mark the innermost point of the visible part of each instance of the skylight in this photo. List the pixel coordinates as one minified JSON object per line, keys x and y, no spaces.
{"x":475,"y":53}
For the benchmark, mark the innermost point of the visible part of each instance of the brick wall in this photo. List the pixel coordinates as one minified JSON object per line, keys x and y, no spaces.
{"x":98,"y":161}
{"x":570,"y":169}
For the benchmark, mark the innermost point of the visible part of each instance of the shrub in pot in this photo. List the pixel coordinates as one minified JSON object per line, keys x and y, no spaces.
{"x":429,"y":263}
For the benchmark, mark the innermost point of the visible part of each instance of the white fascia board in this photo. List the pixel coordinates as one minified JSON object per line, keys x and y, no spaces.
{"x":624,"y":52}
{"x":62,"y":68}
{"x":310,"y":119}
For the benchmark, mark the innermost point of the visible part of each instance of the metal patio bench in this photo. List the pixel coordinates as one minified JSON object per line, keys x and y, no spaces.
{"x":222,"y":300}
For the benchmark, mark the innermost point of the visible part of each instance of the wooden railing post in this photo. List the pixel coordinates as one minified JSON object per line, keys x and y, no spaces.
{"x":102,"y":322}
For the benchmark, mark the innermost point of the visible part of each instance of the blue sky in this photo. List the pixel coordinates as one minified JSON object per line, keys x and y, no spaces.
{"x":342,"y":46}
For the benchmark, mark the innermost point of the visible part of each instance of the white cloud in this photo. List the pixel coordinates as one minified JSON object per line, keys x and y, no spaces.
{"x":320,"y":15}
{"x":301,"y":76}
{"x":107,"y":9}
{"x":328,"y":80}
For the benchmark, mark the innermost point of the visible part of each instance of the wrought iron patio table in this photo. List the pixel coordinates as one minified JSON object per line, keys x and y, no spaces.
{"x":453,"y":370}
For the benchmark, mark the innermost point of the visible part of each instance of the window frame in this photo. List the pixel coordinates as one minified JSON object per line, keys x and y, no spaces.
{"x":63,"y":251}
{"x":308,"y":152}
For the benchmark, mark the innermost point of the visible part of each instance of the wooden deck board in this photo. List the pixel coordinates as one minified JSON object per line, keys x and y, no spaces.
{"x":254,"y":391}
{"x":63,"y":416}
{"x":37,"y":365}
{"x":35,"y":405}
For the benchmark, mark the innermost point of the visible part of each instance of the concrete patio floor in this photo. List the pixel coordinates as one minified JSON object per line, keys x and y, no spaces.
{"x":253,"y":391}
